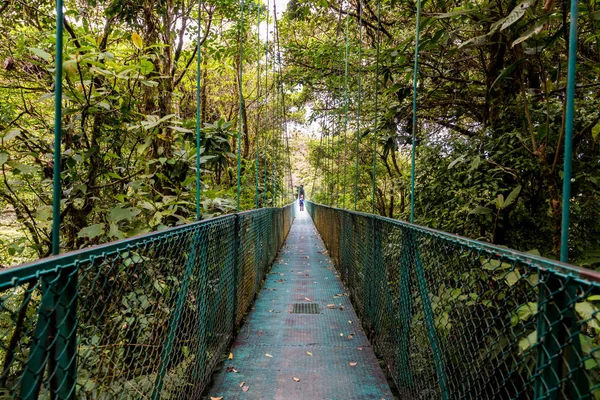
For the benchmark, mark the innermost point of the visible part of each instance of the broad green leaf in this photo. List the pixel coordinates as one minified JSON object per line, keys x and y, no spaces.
{"x":596,"y":131}
{"x":595,"y":297}
{"x":480,"y":210}
{"x":41,"y":54}
{"x":137,"y":40}
{"x":92,"y":231}
{"x":3,"y":158}
{"x":119,"y":213}
{"x":507,"y":71}
{"x":512,"y":277}
{"x":493,"y":265}
{"x":589,"y":313}
{"x":512,"y":196}
{"x":528,"y":341}
{"x":500,"y":202}
{"x":11,"y":134}
{"x":516,"y":14}
{"x":526,"y":311}
{"x":474,"y":42}
{"x":531,"y":32}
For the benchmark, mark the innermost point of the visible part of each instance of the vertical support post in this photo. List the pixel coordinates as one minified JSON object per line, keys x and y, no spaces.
{"x":202,"y":306}
{"x":414,"y":118}
{"x":36,"y":363}
{"x":64,"y":353}
{"x":558,"y":340}
{"x":405,"y":308}
{"x":429,"y":318}
{"x":569,"y":117}
{"x":198,"y":113}
{"x":236,"y":267}
{"x":165,"y":357}
{"x":241,"y":105}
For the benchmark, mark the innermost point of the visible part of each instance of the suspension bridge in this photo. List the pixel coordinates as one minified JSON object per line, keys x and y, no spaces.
{"x":277,"y":303}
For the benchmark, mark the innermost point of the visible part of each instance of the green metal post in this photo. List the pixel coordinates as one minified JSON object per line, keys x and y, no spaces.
{"x":258,"y":98}
{"x":429,"y":318}
{"x":345,"y":111}
{"x":165,"y":357}
{"x":198,"y":114}
{"x":360,"y":6}
{"x":241,"y":107}
{"x":414,"y":117}
{"x":405,"y":311}
{"x":558,"y":343}
{"x":569,"y":117}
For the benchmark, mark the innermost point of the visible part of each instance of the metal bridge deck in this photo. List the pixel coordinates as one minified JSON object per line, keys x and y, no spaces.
{"x":283,"y":355}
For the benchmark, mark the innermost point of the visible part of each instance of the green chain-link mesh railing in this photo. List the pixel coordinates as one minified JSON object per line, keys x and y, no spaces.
{"x":147,"y":317}
{"x":458,"y":318}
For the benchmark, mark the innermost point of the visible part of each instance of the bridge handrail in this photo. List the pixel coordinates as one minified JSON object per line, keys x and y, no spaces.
{"x":145,"y":315}
{"x":454,"y":317}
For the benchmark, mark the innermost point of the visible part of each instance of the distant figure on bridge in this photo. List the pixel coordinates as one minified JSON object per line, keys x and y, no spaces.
{"x":301,"y":191}
{"x":301,"y":202}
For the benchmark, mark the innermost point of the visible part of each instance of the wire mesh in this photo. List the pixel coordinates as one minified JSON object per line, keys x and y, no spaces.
{"x":458,"y":318}
{"x":147,"y":317}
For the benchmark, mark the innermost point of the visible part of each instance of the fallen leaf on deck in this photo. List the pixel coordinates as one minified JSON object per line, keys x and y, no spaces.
{"x":242,"y":384}
{"x":245,"y":388}
{"x":230,"y":356}
{"x":216,"y":398}
{"x":359,"y":348}
{"x":349,"y":322}
{"x":271,"y":310}
{"x":330,"y":305}
{"x":353,"y":363}
{"x":307,"y":299}
{"x":309,"y":353}
{"x":341,"y":334}
{"x":231,"y":369}
{"x":268,"y":355}
{"x":296,"y":379}
{"x":259,"y":333}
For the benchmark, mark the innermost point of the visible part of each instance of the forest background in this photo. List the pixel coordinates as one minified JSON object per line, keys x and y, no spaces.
{"x":491,"y":101}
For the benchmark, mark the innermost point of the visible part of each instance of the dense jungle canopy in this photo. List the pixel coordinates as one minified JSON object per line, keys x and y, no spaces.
{"x":490,"y":118}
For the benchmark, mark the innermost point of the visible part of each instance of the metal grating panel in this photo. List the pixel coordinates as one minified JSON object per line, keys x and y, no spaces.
{"x":305,"y":308}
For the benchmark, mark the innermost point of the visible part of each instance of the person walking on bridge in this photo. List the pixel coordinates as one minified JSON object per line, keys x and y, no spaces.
{"x":301,"y":202}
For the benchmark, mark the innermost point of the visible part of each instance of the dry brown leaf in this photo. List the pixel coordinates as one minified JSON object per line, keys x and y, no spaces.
{"x":230,"y":356}
{"x":216,"y":398}
{"x":271,"y":310}
{"x":242,"y":384}
{"x":353,"y":363}
{"x":307,"y":299}
{"x":245,"y":388}
{"x":309,"y":353}
{"x":268,"y":355}
{"x":296,"y":379}
{"x":330,"y":305}
{"x":259,"y":333}
{"x":359,"y":348}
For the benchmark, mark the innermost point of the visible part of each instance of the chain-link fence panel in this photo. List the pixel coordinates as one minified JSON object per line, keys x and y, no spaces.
{"x":146,"y":317}
{"x":459,"y":318}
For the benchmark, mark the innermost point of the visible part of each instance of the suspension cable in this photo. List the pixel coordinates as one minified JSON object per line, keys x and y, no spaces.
{"x":360,"y":13}
{"x":198,"y":114}
{"x":414,"y":116}
{"x":241,"y":105}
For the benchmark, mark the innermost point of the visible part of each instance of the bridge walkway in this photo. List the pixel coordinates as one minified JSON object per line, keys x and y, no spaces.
{"x":281,"y":354}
